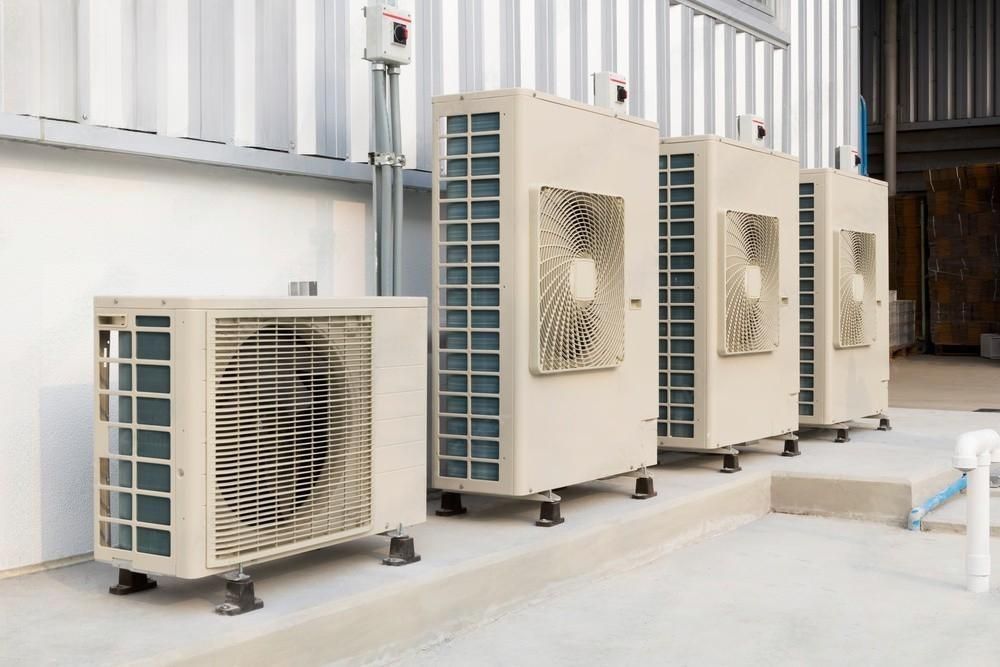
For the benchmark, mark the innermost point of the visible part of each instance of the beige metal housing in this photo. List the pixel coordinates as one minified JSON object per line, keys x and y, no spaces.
{"x":233,"y":431}
{"x":844,"y":312}
{"x":541,"y":373}
{"x":728,"y":318}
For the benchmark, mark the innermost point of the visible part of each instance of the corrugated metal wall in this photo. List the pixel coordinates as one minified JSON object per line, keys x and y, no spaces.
{"x":287,"y":75}
{"x":949,"y":60}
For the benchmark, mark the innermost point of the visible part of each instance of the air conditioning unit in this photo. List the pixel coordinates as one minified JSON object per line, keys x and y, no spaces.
{"x":544,"y":297}
{"x":728,"y":325}
{"x":844,"y":297}
{"x":234,"y":431}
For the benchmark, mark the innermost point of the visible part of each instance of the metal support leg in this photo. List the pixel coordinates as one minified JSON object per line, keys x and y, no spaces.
{"x":401,"y":550}
{"x":791,"y":445}
{"x":884,"y":424}
{"x":731,"y":463}
{"x":451,"y":504}
{"x":644,"y":489}
{"x":843,"y":435}
{"x":549,"y":514}
{"x":131,"y":582}
{"x":240,"y":597}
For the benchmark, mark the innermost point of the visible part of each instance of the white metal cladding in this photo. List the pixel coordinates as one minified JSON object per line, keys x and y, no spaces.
{"x":287,"y":75}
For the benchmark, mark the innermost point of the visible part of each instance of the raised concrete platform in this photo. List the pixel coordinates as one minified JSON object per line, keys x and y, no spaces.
{"x":339,"y":603}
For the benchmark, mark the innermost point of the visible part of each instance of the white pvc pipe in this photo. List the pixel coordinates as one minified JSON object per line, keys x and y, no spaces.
{"x":974,"y":452}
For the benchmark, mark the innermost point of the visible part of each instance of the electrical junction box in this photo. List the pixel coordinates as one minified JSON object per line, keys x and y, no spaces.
{"x":751,"y":129}
{"x":389,"y":39}
{"x":848,"y":159}
{"x":610,"y":90}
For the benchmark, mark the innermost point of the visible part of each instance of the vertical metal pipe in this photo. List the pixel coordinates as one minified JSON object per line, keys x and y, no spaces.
{"x":397,"y":182}
{"x":381,"y":199}
{"x":890,"y":83}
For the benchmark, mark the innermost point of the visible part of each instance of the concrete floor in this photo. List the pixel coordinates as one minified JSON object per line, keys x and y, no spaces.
{"x":783,"y":590}
{"x":944,"y":383}
{"x":339,"y":603}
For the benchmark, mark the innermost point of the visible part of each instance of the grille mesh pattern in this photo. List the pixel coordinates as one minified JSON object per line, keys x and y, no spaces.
{"x":677,"y":302}
{"x":290,"y":432}
{"x":856,"y":289}
{"x":468,"y":269}
{"x":578,"y":332}
{"x":807,"y":299}
{"x":751,"y":285}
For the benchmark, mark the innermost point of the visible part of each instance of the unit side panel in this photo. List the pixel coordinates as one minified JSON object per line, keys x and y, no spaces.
{"x":134,"y":439}
{"x":474,"y":264}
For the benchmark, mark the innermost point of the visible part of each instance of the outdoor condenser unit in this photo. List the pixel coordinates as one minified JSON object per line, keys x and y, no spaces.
{"x":728,"y":324}
{"x":844,"y":296}
{"x":544,"y":296}
{"x":233,"y":431}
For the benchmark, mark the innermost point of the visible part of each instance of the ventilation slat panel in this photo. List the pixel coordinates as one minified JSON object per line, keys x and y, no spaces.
{"x":290,"y":440}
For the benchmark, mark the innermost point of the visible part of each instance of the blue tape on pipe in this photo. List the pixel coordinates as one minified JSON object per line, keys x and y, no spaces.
{"x":918,"y":513}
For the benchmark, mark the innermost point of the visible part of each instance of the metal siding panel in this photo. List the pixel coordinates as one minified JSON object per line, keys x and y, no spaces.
{"x":926,"y":72}
{"x":649,"y":73}
{"x":663,"y":67}
{"x":20,"y":56}
{"x":58,"y":54}
{"x":985,"y":52}
{"x":609,"y":36}
{"x":560,"y":21}
{"x":526,"y":38}
{"x":722,"y":76}
{"x":766,"y":88}
{"x":702,"y":59}
{"x":944,"y":63}
{"x":213,"y":104}
{"x":427,"y":65}
{"x":491,"y":54}
{"x":964,"y":56}
{"x":544,"y":46}
{"x":470,"y":42}
{"x":510,"y":43}
{"x":636,"y":65}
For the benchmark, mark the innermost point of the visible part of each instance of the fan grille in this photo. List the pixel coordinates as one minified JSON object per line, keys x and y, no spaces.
{"x":751,"y":284}
{"x":581,"y":290}
{"x":290,"y":432}
{"x":856,"y":289}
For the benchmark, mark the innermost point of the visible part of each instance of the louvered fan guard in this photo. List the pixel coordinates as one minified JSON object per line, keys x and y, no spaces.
{"x":856,"y":289}
{"x":750,"y":321}
{"x":581,"y":284}
{"x":290,"y":439}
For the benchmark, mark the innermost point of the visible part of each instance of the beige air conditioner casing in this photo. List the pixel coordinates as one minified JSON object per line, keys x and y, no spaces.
{"x":233,"y":431}
{"x":543,"y":333}
{"x":728,"y":299}
{"x":844,"y":362}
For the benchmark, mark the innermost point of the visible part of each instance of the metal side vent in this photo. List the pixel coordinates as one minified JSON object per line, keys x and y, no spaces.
{"x":676,"y":302}
{"x":807,"y":299}
{"x":290,"y":433}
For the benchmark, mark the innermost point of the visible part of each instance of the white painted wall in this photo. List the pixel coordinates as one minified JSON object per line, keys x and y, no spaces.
{"x":77,"y":223}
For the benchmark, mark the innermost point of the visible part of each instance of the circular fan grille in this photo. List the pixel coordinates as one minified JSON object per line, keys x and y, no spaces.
{"x":581,"y":291}
{"x":751,"y":285}
{"x":856,"y":288}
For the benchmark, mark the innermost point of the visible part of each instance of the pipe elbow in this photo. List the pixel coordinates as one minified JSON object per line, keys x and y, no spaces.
{"x":976,"y":448}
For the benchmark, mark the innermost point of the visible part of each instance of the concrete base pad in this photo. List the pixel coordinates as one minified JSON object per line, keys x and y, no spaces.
{"x":340,"y":603}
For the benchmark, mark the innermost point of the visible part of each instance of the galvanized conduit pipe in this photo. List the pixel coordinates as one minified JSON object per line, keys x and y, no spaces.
{"x":973,"y":454}
{"x":397,"y":182}
{"x":381,"y":184}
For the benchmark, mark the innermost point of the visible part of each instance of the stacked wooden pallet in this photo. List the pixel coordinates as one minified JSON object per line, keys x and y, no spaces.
{"x":963,"y":262}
